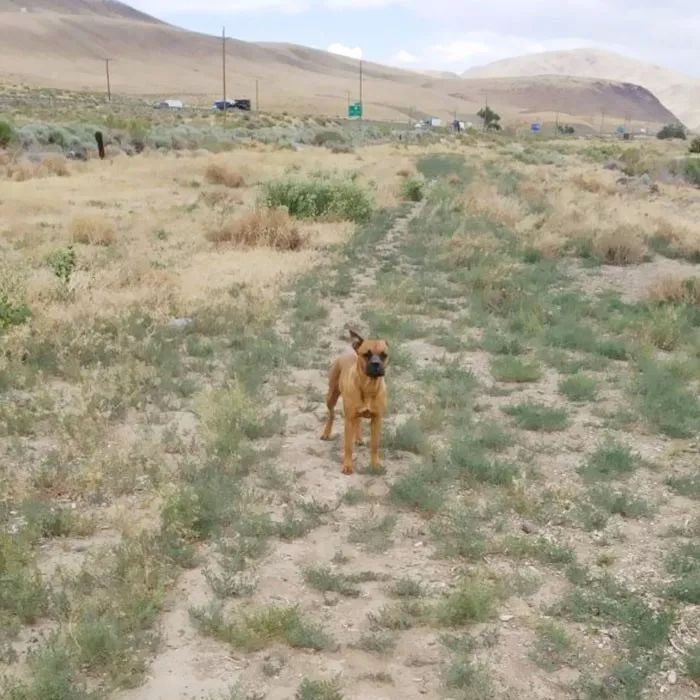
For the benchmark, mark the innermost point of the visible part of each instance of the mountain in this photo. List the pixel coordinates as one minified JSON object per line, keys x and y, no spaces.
{"x":63,"y":44}
{"x":680,"y":93}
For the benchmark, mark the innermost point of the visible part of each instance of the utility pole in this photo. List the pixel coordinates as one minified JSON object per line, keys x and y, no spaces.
{"x":602,"y":120}
{"x":109,"y":87}
{"x":257,"y":94}
{"x":223,"y":66}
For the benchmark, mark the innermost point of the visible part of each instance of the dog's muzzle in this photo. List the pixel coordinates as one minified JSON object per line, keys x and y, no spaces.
{"x":375,"y":369}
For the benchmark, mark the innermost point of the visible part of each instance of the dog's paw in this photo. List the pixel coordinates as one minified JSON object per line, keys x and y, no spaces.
{"x":360,"y":442}
{"x":347,"y":469}
{"x":325,"y":437}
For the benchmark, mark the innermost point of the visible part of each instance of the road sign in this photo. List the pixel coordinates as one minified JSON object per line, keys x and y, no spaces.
{"x":355,"y":110}
{"x":535,"y":128}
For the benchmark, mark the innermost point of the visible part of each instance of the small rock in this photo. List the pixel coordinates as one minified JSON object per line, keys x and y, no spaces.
{"x":672,"y":677}
{"x":180,"y":322}
{"x":505,"y":618}
{"x":528,"y":527}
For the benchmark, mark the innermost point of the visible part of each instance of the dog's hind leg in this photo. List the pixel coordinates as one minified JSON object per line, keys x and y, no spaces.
{"x":331,"y":400}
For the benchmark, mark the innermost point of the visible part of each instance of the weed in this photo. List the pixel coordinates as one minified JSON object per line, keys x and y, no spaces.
{"x":324,"y":579}
{"x":257,"y":629}
{"x":537,"y":417}
{"x":319,"y":690}
{"x":457,"y":533}
{"x":675,"y":289}
{"x":377,"y":642}
{"x":611,"y":460}
{"x":400,"y":616}
{"x":508,"y":368}
{"x":412,"y":190}
{"x":469,"y":463}
{"x":407,"y":588}
{"x":538,"y":549}
{"x":419,"y":489}
{"x":92,"y":230}
{"x":492,"y":437}
{"x":553,"y":646}
{"x":692,"y":663}
{"x":684,"y":564}
{"x":579,"y":388}
{"x":442,"y":165}
{"x":470,"y":678}
{"x":666,"y":401}
{"x":473,"y":600}
{"x":373,"y":533}
{"x":620,"y":246}
{"x":272,"y":228}
{"x":220,"y":174}
{"x":686,"y":485}
{"x":499,"y":344}
{"x":319,"y":199}
{"x":63,"y":262}
{"x":407,"y":437}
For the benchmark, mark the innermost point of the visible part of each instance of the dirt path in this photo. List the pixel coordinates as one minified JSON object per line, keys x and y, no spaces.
{"x":191,"y":666}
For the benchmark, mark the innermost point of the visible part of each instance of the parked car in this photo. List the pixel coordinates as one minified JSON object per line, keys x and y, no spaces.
{"x":170,"y":104}
{"x":232,"y":104}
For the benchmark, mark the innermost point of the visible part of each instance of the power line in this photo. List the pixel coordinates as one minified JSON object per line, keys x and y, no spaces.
{"x":109,"y":87}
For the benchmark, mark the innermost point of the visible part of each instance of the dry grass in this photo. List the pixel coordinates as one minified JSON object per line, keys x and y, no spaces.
{"x":675,"y":289}
{"x":220,"y":174}
{"x":622,"y":245}
{"x":484,"y":199}
{"x":92,"y":230}
{"x":55,"y":165}
{"x":272,"y":228}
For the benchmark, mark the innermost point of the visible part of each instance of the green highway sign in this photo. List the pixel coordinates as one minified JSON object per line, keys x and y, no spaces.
{"x":355,"y":110}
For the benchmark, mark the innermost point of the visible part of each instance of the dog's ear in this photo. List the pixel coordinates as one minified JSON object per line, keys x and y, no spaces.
{"x":356,"y":339}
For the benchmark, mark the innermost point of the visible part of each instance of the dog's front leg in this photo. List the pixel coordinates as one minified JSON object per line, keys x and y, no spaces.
{"x":348,"y":438}
{"x":375,"y":432}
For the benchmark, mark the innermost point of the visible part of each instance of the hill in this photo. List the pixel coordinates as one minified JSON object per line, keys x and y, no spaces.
{"x":70,"y":39}
{"x":680,"y":93}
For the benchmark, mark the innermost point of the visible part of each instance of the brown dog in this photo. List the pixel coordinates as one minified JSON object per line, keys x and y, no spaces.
{"x":358,"y":377}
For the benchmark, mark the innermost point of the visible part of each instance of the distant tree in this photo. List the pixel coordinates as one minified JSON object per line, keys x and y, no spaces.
{"x":566,"y":129}
{"x":695,"y":145}
{"x":672,"y":131}
{"x":490,"y":118}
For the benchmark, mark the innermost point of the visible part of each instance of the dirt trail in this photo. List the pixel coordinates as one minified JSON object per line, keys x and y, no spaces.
{"x":190,"y":666}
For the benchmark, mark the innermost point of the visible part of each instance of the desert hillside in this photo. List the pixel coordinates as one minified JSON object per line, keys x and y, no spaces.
{"x":680,"y":93}
{"x":152,"y":58}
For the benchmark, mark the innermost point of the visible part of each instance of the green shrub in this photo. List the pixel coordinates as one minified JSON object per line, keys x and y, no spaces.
{"x":692,"y":171}
{"x":672,"y":131}
{"x":412,"y":190}
{"x":13,"y":308}
{"x":7,"y":134}
{"x":695,"y":145}
{"x":319,"y":199}
{"x":326,"y":138}
{"x":63,"y":262}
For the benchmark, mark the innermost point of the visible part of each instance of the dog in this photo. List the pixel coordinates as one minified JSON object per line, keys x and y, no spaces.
{"x":358,"y":377}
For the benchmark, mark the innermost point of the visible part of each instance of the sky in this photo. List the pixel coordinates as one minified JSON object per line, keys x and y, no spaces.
{"x":452,"y":35}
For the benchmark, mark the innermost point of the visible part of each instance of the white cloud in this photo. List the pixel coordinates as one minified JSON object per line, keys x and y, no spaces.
{"x":342,"y":50}
{"x":459,"y":51}
{"x":404,"y":56}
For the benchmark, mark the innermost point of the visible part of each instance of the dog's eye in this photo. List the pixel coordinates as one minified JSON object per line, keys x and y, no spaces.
{"x":368,"y":355}
{"x":382,"y":356}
